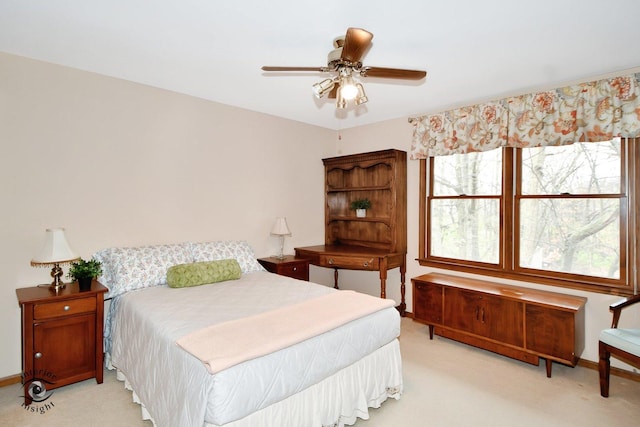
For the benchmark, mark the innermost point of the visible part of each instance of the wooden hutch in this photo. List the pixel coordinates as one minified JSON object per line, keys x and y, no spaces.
{"x":377,"y":242}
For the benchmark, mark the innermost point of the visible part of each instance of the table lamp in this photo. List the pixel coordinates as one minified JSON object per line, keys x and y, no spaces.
{"x":281,"y":230}
{"x":54,"y":252}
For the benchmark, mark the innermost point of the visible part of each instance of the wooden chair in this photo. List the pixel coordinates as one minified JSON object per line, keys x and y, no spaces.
{"x":624,"y":344}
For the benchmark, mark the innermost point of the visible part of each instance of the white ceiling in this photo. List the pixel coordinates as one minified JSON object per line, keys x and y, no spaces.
{"x":473,"y":51}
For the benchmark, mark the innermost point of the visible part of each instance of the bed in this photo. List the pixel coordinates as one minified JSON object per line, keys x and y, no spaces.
{"x":329,"y":379}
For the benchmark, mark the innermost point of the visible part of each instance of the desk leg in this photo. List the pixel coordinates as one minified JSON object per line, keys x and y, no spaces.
{"x":403,"y":273}
{"x":335,"y":278}
{"x":383,"y":277}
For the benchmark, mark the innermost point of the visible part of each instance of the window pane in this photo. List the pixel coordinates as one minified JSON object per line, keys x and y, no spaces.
{"x":466,"y":229}
{"x":580,"y":168}
{"x":579,"y":236}
{"x":471,"y":174}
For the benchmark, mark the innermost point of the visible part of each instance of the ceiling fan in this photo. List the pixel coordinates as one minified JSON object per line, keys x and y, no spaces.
{"x":345,"y":61}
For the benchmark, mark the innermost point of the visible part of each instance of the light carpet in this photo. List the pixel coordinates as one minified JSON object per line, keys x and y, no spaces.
{"x":447,"y":384}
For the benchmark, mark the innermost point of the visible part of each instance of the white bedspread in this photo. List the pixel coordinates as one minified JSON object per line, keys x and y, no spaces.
{"x":177,"y":390}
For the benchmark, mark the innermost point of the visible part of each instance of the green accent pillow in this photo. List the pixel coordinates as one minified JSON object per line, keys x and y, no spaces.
{"x":201,"y":273}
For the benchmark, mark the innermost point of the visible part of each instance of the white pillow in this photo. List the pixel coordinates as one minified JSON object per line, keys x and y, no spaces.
{"x":239,"y":250}
{"x":126,"y":269}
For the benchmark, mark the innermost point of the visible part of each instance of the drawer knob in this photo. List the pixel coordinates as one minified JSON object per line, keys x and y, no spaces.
{"x":295,"y":268}
{"x":330,"y":260}
{"x":66,"y":308}
{"x":366,"y":263}
{"x":38,"y":355}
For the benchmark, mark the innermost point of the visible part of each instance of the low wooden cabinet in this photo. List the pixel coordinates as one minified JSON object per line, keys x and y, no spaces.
{"x":517,"y":322}
{"x":61,"y":335}
{"x":485,"y":315}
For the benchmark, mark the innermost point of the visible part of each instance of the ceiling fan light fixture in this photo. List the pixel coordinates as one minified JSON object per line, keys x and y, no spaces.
{"x":362,"y":97}
{"x":348,"y":88}
{"x":322,"y":88}
{"x":341,"y":103}
{"x":345,"y":61}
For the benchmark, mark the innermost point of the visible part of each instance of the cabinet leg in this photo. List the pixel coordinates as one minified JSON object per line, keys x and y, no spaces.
{"x":549,"y":365}
{"x":431,"y":332}
{"x":27,"y":399}
{"x":335,"y":278}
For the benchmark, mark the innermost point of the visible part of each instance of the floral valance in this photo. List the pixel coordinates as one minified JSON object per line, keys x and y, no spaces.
{"x":587,"y":112}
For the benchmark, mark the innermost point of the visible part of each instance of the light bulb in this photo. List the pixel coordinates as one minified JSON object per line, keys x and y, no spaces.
{"x":348,"y":88}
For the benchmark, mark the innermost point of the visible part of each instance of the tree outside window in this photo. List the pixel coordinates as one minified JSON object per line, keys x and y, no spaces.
{"x":554,"y":215}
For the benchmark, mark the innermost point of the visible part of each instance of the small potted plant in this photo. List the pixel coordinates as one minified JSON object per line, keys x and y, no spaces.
{"x":361,"y":206}
{"x":84,"y":272}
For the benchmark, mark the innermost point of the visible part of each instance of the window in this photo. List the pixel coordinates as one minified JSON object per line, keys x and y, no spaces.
{"x":465,"y":207}
{"x":560,"y":215}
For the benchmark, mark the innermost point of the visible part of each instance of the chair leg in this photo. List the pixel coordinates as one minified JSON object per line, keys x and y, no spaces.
{"x":604,"y":367}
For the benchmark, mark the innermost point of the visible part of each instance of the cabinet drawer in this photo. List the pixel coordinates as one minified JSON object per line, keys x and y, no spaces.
{"x":64,"y":308}
{"x":351,"y":263}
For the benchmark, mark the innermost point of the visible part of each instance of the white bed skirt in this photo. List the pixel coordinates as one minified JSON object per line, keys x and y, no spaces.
{"x":333,"y":402}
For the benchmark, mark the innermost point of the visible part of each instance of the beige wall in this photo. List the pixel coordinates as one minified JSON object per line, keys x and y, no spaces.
{"x":164,"y":167}
{"x":118,"y":163}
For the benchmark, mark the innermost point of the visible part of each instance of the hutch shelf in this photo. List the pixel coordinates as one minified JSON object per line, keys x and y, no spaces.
{"x":377,"y":242}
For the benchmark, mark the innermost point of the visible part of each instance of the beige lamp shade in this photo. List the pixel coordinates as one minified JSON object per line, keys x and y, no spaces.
{"x":280,"y":227}
{"x":55,"y":251}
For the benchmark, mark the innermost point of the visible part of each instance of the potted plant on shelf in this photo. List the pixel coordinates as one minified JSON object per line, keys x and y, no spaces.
{"x":84,"y":272}
{"x":361,"y":206}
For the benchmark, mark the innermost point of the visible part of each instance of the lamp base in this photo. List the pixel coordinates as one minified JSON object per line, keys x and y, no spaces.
{"x":56,"y":273}
{"x":55,"y":288}
{"x":281,"y":255}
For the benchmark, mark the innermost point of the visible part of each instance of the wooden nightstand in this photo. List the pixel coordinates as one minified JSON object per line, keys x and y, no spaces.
{"x":61,"y":335}
{"x":290,"y":266}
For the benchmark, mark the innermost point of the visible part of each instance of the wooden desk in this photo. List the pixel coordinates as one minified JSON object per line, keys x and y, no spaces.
{"x":358,"y":258}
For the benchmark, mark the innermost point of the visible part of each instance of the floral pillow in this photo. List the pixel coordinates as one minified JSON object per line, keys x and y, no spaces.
{"x":239,"y":250}
{"x":127,"y":269}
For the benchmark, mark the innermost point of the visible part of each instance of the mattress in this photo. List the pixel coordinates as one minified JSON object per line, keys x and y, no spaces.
{"x":176,"y":389}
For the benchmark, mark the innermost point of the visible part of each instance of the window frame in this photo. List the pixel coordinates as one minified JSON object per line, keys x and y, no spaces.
{"x":507,"y":266}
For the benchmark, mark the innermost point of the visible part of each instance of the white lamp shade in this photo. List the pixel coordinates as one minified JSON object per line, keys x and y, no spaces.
{"x":280,"y":228}
{"x":55,"y":249}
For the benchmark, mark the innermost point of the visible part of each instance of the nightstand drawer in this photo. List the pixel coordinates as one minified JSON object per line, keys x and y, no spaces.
{"x":64,"y":308}
{"x":350,"y":262}
{"x":290,"y":266}
{"x":297,"y":271}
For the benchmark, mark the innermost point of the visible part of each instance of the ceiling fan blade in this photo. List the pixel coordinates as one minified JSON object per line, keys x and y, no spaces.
{"x":356,"y":43}
{"x":316,"y":69}
{"x":392,"y":73}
